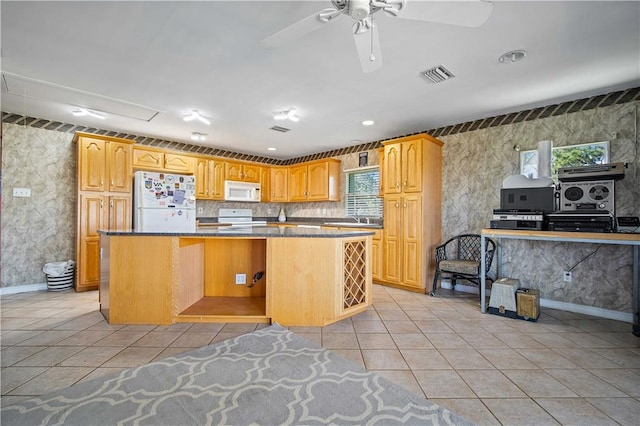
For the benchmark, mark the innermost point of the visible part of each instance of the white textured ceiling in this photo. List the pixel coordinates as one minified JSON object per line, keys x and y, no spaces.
{"x":165,"y":58}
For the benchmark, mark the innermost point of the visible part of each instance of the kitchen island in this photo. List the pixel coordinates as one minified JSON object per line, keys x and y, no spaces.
{"x":293,"y":276}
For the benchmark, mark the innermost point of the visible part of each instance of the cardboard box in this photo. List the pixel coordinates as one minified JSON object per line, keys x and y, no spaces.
{"x":528,"y":300}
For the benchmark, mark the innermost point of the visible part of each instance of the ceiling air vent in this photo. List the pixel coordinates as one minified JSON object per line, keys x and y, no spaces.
{"x":280,"y":129}
{"x":437,"y":74}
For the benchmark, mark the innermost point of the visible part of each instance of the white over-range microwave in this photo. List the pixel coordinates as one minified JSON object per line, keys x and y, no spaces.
{"x":241,"y":191}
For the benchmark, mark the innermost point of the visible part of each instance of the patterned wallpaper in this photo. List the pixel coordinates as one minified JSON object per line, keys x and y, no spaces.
{"x":42,"y":228}
{"x":477,"y":157}
{"x":476,"y":162}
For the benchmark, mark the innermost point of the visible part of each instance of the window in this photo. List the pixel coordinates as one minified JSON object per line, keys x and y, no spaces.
{"x":566,"y":156}
{"x":363,"y":186}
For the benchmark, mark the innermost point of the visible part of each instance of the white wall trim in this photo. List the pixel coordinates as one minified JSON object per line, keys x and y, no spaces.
{"x":22,"y":288}
{"x":588,"y":310}
{"x":562,"y":306}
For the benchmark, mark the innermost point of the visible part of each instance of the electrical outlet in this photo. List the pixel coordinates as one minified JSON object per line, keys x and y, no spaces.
{"x":566,"y":276}
{"x":268,"y":211}
{"x":241,"y":279}
{"x":22,"y":192}
{"x":200,"y":210}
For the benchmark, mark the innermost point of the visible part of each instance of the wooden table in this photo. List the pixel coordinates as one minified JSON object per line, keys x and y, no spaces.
{"x":575,"y":237}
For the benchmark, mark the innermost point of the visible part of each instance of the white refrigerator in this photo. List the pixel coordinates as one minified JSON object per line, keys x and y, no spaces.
{"x":164,"y":202}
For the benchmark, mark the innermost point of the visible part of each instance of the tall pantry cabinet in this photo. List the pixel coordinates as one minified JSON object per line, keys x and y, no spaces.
{"x":104,"y":199}
{"x":412,"y":193}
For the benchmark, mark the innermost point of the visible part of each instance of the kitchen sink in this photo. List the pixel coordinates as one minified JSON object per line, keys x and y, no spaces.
{"x":354,"y":224}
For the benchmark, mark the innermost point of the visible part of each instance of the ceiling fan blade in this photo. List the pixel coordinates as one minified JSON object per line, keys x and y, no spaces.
{"x":462,"y":13}
{"x":363,"y":45}
{"x":304,"y":26}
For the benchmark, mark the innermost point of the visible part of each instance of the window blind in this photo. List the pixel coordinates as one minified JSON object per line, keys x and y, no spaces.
{"x":362,"y":193}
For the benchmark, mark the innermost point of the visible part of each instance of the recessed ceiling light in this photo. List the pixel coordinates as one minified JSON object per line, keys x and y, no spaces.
{"x":512,"y":57}
{"x":195,"y":115}
{"x":356,"y":141}
{"x":368,"y":123}
{"x":271,"y":148}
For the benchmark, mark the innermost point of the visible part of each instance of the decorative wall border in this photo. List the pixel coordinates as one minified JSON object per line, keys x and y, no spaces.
{"x":584,"y":104}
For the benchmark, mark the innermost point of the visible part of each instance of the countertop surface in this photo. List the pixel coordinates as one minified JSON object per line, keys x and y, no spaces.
{"x":308,"y":221}
{"x":255,"y":231}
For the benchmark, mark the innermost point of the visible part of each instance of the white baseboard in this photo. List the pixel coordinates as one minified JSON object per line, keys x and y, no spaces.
{"x":562,"y":306}
{"x":22,"y":288}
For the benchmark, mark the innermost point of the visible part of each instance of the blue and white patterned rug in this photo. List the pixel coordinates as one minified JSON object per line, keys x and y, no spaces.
{"x":268,"y":377}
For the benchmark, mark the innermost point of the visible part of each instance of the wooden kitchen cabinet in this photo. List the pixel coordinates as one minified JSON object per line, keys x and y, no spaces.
{"x":104,"y":165}
{"x":179,"y":163}
{"x":209,"y":176}
{"x":146,"y":159}
{"x":376,"y":255}
{"x":98,"y":212}
{"x":265,"y":184}
{"x":315,"y":181}
{"x":402,"y":167}
{"x":279,"y":188}
{"x":154,"y":159}
{"x":104,"y":199}
{"x":412,"y":186}
{"x":242,"y":172}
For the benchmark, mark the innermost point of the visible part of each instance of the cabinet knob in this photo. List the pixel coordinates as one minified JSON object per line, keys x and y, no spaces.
{"x":110,"y":203}
{"x":101,"y":183}
{"x":112,"y":184}
{"x":397,"y":204}
{"x":405,"y":205}
{"x":101,"y":203}
{"x":405,"y":183}
{"x":397,"y":184}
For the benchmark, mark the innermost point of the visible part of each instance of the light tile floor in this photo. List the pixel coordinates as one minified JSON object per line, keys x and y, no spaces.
{"x":564,"y":369}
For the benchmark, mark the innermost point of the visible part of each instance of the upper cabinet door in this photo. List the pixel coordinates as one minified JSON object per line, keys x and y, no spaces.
{"x":233,"y":171}
{"x":119,"y":167}
{"x":202,"y":178}
{"x":391,"y":175}
{"x":251,"y":173}
{"x":147,"y":159}
{"x":216,"y":179}
{"x":298,"y":183}
{"x":318,"y":184}
{"x":93,"y":170}
{"x":279,"y":184}
{"x":412,"y":166}
{"x":178,"y":163}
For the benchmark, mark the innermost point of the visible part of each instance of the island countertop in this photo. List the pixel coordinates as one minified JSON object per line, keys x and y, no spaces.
{"x":252,"y":232}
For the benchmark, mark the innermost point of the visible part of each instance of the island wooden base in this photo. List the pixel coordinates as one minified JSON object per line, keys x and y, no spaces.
{"x":226,"y":309}
{"x":166,"y":279}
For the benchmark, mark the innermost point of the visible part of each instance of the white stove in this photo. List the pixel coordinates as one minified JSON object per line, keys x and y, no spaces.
{"x":239,"y":217}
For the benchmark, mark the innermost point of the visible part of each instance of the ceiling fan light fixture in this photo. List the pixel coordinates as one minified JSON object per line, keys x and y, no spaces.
{"x":195,"y":115}
{"x":290,"y":114}
{"x":79,"y":112}
{"x":512,"y":56}
{"x":200,"y":137}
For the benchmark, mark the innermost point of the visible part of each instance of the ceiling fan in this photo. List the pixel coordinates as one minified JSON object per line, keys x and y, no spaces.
{"x":462,"y":13}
